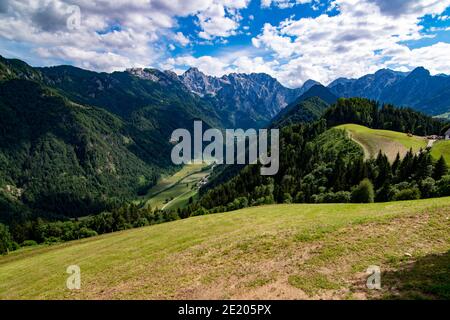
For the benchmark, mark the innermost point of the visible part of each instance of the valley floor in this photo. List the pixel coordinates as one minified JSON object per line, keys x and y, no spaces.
{"x":173,"y":192}
{"x":271,"y":252}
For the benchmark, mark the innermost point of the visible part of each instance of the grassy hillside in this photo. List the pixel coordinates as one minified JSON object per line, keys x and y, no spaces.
{"x":279,"y":251}
{"x":174,"y":191}
{"x":441,"y":148}
{"x":390,"y":142}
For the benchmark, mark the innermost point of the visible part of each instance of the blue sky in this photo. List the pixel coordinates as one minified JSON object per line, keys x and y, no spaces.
{"x":292,"y":40}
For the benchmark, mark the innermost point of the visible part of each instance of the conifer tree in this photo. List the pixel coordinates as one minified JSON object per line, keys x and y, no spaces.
{"x":440,"y":169}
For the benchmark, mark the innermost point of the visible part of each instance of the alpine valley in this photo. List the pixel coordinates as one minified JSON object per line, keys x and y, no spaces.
{"x":84,"y":153}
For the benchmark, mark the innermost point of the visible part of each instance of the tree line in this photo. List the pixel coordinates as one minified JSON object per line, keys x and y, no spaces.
{"x":39,"y":231}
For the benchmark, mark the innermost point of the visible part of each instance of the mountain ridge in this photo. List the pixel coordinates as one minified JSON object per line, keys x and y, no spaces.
{"x":309,"y":107}
{"x":417,"y":89}
{"x":250,"y":100}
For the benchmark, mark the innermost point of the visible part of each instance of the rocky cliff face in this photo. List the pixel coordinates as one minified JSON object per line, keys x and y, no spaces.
{"x":248,"y":100}
{"x":201,"y":84}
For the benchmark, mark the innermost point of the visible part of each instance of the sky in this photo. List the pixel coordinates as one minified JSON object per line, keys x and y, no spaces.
{"x":292,"y":40}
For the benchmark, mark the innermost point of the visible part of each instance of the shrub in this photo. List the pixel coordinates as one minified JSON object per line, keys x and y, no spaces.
{"x":407,"y":194}
{"x":51,"y":240}
{"x":428,"y":188}
{"x":331,"y":197}
{"x":200,"y":212}
{"x":29,"y":243}
{"x":443,"y":186}
{"x":86,"y":233}
{"x":6,"y":242}
{"x":300,"y":197}
{"x":339,"y":197}
{"x":287,"y":198}
{"x":142,"y":222}
{"x":363,"y":193}
{"x":14,"y":246}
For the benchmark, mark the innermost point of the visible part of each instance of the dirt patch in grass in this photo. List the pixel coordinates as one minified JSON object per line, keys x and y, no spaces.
{"x":328,"y":266}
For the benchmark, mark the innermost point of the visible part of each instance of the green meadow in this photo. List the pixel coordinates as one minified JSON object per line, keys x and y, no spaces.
{"x":296,"y":251}
{"x":173,"y":192}
{"x":390,"y":142}
{"x":441,"y":148}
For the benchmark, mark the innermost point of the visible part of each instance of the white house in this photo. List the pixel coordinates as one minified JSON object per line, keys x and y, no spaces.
{"x":447,"y":134}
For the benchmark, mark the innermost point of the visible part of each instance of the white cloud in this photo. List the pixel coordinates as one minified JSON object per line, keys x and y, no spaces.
{"x":221,"y":19}
{"x":181,"y":39}
{"x":215,"y":23}
{"x":207,"y":64}
{"x":434,"y":57}
{"x":240,"y":61}
{"x":283,"y":4}
{"x":362,"y":38}
{"x":126,"y":32}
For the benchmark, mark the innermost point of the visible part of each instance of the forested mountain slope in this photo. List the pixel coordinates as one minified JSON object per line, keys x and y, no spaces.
{"x":319,"y":163}
{"x":309,"y":107}
{"x":63,"y":158}
{"x":74,"y":141}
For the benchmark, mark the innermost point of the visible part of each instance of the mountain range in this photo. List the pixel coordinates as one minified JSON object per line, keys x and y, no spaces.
{"x":417,"y":89}
{"x":244,"y":100}
{"x":74,"y":142}
{"x":252,"y":100}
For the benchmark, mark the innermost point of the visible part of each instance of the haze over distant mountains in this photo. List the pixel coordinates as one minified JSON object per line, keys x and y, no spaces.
{"x":417,"y":89}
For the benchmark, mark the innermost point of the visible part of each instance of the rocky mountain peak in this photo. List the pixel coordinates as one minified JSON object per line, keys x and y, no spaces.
{"x":146,"y":74}
{"x":420,"y":72}
{"x":200,"y":83}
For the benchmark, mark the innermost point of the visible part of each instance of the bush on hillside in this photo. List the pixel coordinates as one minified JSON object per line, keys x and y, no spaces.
{"x":363,"y":193}
{"x":333,"y":197}
{"x":407,"y":194}
{"x":6,"y":242}
{"x":29,"y":243}
{"x":443,"y":186}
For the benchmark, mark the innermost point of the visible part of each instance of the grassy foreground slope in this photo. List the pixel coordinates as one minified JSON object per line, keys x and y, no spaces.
{"x":280,"y":251}
{"x":390,"y":142}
